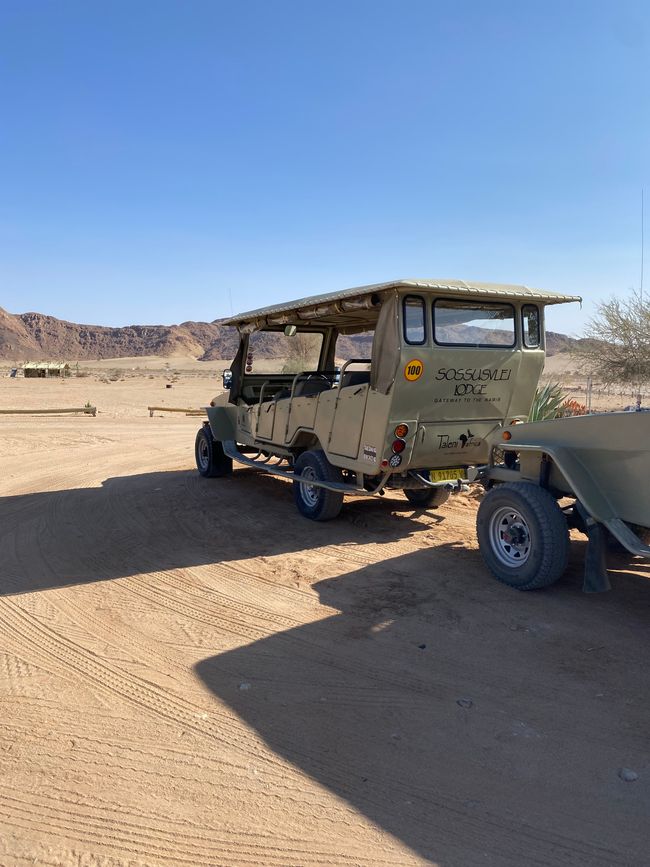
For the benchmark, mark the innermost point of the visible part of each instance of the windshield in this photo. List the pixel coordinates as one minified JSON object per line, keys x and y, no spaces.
{"x":276,"y":352}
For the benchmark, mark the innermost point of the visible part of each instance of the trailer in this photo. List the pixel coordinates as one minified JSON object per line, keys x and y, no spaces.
{"x":588,"y":472}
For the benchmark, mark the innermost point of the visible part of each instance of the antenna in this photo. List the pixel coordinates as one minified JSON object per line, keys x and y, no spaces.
{"x":641,"y":290}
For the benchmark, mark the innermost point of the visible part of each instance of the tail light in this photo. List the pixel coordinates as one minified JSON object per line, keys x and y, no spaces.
{"x":398,"y":446}
{"x":401,"y":430}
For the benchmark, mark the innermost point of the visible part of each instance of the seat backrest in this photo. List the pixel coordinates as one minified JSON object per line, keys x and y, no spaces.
{"x":355,"y":377}
{"x":308,"y":387}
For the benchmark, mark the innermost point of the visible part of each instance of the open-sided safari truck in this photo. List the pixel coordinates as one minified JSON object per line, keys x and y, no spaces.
{"x":436,"y":399}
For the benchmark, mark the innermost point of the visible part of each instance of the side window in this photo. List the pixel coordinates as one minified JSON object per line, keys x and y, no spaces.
{"x":531,"y":326}
{"x":414,"y":318}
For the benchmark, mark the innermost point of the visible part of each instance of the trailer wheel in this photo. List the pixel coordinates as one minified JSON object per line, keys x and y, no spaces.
{"x":211,"y":461}
{"x":523,"y":535}
{"x":318,"y":504}
{"x":427,"y":498}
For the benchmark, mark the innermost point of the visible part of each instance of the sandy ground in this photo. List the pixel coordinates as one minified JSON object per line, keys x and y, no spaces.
{"x":563,"y":368}
{"x":192,"y":674}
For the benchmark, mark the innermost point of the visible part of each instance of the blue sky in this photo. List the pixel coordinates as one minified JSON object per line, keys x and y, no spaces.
{"x":161,"y":157}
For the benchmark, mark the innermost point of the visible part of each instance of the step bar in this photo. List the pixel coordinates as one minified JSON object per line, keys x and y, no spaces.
{"x":231,"y":451}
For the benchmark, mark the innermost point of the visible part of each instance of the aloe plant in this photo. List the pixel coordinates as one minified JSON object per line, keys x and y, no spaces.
{"x":547,"y":402}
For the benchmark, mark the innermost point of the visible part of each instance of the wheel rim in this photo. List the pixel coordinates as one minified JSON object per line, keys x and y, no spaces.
{"x":309,"y":493}
{"x":510,"y":537}
{"x":203,"y":453}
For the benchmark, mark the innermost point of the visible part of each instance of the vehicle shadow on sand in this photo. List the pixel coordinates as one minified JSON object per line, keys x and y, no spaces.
{"x":172,"y":520}
{"x":476,"y":724}
{"x":458,"y":715}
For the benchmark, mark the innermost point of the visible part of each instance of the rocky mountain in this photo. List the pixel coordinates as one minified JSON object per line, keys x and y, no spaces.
{"x":15,"y":340}
{"x":560,"y":342}
{"x":34,"y":337}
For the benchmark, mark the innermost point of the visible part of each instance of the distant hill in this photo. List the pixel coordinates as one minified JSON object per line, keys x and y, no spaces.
{"x":560,"y":342}
{"x":35,"y":336}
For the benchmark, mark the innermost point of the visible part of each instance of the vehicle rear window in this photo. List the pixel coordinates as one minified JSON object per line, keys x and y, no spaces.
{"x":473,"y":323}
{"x":530,"y":326}
{"x":414,"y":320}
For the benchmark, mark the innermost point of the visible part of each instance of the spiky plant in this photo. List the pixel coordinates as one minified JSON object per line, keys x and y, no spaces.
{"x":547,"y":402}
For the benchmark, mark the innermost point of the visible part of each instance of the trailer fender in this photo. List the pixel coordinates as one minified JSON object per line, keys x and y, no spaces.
{"x":584,"y":487}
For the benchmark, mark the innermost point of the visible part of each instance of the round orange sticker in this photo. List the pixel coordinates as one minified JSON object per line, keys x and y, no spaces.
{"x":413,"y":370}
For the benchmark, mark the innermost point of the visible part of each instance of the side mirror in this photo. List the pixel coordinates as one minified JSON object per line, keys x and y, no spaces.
{"x":226,"y":376}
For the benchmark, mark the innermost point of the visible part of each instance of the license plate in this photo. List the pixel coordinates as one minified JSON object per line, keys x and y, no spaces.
{"x":448,"y":475}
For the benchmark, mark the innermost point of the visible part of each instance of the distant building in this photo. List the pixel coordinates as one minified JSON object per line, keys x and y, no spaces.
{"x":44,"y":369}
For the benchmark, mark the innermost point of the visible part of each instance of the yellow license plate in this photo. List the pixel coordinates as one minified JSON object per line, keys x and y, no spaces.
{"x":449,"y":475}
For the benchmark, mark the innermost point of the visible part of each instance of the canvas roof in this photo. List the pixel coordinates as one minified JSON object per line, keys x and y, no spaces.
{"x":332,"y":305}
{"x":45,"y":365}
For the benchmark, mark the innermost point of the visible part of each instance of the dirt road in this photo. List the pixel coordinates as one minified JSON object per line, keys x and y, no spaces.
{"x":191,"y":674}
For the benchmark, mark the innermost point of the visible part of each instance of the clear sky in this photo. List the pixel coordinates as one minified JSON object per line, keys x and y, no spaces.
{"x":159,"y":158}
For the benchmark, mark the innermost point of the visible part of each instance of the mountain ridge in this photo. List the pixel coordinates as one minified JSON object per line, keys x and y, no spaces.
{"x":36,"y":336}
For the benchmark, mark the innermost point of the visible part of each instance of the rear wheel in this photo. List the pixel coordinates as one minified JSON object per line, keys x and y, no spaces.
{"x":427,"y":498}
{"x":211,"y":461}
{"x":312,"y":501}
{"x":523,"y":535}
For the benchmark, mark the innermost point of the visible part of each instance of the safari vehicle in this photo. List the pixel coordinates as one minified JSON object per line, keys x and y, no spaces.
{"x":433,"y":401}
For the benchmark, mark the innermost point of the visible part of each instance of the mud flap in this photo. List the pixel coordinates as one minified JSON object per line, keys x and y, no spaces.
{"x":596,"y":579}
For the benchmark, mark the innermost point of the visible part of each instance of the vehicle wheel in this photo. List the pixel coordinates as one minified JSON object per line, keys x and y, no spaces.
{"x":523,"y":535}
{"x":211,"y":461}
{"x":313,"y":502}
{"x":427,"y":498}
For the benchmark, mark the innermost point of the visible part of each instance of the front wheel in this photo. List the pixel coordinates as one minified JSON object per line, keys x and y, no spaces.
{"x":523,"y":535}
{"x":427,"y":498}
{"x":312,"y":501}
{"x":211,"y":461}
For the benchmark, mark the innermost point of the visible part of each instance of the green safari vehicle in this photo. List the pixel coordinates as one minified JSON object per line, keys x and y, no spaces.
{"x":420,"y":386}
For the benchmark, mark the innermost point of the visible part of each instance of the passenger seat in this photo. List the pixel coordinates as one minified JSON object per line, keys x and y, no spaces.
{"x":355,"y":377}
{"x":310,"y":387}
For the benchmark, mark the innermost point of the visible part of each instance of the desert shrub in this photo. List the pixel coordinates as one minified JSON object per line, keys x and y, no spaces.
{"x":617,"y":348}
{"x":572,"y":407}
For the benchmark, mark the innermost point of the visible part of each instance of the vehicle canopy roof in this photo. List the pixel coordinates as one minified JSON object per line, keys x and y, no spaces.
{"x":357,"y":309}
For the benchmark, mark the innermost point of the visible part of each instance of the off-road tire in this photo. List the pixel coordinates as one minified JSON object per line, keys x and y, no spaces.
{"x":427,"y":498}
{"x":523,"y":535}
{"x":211,"y":461}
{"x":318,"y":504}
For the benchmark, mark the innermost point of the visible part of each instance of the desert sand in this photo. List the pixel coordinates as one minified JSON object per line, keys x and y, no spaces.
{"x":193,"y":674}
